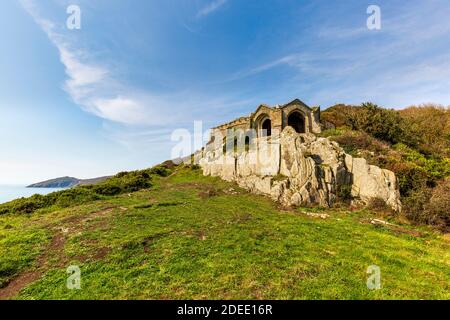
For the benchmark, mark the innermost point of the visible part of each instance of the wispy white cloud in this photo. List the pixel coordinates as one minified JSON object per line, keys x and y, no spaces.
{"x":210,"y":8}
{"x":93,"y":85}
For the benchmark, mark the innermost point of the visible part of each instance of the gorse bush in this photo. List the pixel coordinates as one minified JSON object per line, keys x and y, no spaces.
{"x":431,"y":125}
{"x":123,"y":182}
{"x":384,"y":124}
{"x":414,"y":143}
{"x":438,"y":208}
{"x":161,"y":170}
{"x":430,"y":205}
{"x":69,"y":197}
{"x":425,"y":128}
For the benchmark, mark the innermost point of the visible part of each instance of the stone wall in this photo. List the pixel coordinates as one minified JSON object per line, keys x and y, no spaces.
{"x":301,"y":169}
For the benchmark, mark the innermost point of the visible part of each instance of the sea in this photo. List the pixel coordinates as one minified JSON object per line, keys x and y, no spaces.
{"x":11,"y":192}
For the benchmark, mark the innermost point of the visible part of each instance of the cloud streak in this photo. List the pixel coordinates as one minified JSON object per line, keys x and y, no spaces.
{"x":93,"y":86}
{"x":210,"y":8}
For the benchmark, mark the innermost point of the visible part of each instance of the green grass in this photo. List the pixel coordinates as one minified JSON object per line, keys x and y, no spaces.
{"x":193,"y":237}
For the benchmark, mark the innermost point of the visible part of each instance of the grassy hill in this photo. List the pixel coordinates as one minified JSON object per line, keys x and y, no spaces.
{"x":171,"y":233}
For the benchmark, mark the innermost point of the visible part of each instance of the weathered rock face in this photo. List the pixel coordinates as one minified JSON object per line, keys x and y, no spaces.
{"x":300,"y":169}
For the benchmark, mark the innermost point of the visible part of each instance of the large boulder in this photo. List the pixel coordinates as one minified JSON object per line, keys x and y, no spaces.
{"x":302,"y":169}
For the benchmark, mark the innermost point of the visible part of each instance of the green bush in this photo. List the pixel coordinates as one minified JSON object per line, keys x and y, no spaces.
{"x":430,"y":206}
{"x":344,"y":192}
{"x":437,"y":208}
{"x":160,"y":170}
{"x":26,"y":206}
{"x":380,"y":123}
{"x":123,"y":182}
{"x":332,"y":132}
{"x":73,"y":196}
{"x":107,"y":189}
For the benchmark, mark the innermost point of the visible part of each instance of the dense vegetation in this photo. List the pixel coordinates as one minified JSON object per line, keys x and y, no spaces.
{"x":123,"y":182}
{"x":414,"y":143}
{"x":196,"y":237}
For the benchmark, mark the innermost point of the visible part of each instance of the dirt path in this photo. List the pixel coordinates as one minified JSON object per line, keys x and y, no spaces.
{"x":55,"y":248}
{"x":25,"y":278}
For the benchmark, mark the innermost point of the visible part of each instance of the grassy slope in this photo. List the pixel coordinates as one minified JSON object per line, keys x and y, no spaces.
{"x":191,"y":237}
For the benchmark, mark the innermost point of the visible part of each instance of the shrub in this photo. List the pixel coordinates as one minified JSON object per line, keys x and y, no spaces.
{"x":169,"y":164}
{"x":122,"y":182}
{"x":332,"y":133}
{"x":431,"y":124}
{"x":410,"y":177}
{"x":121,"y":174}
{"x":107,"y":189}
{"x":75,"y":196}
{"x":160,"y":170}
{"x":339,"y":115}
{"x":380,"y":123}
{"x":437,"y":209}
{"x":344,"y":192}
{"x":414,"y":143}
{"x":136,"y":183}
{"x":384,"y":124}
{"x":26,"y":206}
{"x":378,"y":204}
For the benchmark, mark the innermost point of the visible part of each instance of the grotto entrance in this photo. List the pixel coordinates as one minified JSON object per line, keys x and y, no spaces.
{"x":297,"y":121}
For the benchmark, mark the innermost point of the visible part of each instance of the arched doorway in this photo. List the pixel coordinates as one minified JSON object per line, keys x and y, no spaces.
{"x":297,"y":121}
{"x":266,"y":127}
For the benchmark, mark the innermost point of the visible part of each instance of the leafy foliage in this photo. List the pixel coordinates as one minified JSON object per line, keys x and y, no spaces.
{"x":431,"y":125}
{"x":123,"y":182}
{"x":414,"y":143}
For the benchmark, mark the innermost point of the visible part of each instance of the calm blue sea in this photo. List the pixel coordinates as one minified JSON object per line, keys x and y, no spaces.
{"x":8,"y":193}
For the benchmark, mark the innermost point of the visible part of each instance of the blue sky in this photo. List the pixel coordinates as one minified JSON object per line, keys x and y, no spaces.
{"x":106,"y":98}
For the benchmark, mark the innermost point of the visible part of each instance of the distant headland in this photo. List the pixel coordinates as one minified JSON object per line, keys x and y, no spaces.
{"x":66,"y":182}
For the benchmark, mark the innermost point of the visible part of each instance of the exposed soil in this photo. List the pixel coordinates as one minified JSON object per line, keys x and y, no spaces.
{"x":23,"y":279}
{"x":18,"y":283}
{"x":55,"y":253}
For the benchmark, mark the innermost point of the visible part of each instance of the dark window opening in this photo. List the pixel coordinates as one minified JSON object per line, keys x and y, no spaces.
{"x":266,"y":128}
{"x":297,"y":121}
{"x":224,"y":145}
{"x":247,"y":143}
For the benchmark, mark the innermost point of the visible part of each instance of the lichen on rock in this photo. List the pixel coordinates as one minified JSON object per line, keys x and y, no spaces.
{"x":313,"y":169}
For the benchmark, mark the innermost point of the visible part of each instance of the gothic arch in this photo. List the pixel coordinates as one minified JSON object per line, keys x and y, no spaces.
{"x":297,"y":121}
{"x":264,"y":125}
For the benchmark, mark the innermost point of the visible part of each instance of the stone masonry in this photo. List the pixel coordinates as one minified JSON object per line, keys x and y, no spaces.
{"x":292,"y":165}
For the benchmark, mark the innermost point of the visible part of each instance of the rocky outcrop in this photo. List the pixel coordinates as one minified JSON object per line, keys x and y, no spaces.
{"x":301,"y":169}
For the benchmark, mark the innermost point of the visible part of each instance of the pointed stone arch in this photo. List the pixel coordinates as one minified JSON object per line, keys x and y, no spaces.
{"x":266,"y":127}
{"x":296,"y":120}
{"x":263,"y":125}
